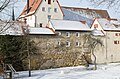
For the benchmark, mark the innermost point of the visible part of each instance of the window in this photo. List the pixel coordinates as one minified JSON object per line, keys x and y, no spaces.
{"x":117,"y":34}
{"x":77,"y":44}
{"x":67,"y":34}
{"x":59,"y":33}
{"x":116,"y":42}
{"x":77,"y":34}
{"x":55,"y":9}
{"x":43,"y":9}
{"x":49,"y":9}
{"x":49,"y":1}
{"x":40,"y":24}
{"x":49,"y":17}
{"x":67,"y":44}
{"x":96,"y":26}
{"x":59,"y":43}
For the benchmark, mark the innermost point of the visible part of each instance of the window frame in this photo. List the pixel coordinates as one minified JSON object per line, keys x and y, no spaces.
{"x":67,"y":34}
{"x":43,"y":9}
{"x":59,"y":33}
{"x":49,"y":17}
{"x":49,"y":9}
{"x":55,"y":10}
{"x":59,"y":43}
{"x":49,"y":2}
{"x":77,"y":44}
{"x":67,"y":44}
{"x":77,"y":34}
{"x":41,"y":24}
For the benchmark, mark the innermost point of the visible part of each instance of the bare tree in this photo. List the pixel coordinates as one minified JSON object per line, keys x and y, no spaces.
{"x":108,"y":3}
{"x":92,"y":43}
{"x":6,"y":7}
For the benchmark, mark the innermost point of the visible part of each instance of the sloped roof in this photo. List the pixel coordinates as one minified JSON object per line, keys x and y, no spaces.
{"x":96,"y":32}
{"x":70,"y":15}
{"x":69,"y":25}
{"x":33,"y":6}
{"x":89,"y":13}
{"x":35,"y":30}
{"x":109,"y":24}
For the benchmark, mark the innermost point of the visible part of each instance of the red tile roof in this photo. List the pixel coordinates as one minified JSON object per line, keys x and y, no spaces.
{"x":34,"y":4}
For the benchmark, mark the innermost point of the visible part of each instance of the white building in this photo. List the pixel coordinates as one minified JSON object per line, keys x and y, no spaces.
{"x":41,"y":11}
{"x":109,"y":29}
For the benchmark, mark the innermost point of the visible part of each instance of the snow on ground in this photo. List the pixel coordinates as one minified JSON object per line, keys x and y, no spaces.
{"x":110,"y":71}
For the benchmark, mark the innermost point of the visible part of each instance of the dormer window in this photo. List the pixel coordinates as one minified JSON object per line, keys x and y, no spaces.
{"x":49,"y":1}
{"x":96,"y":26}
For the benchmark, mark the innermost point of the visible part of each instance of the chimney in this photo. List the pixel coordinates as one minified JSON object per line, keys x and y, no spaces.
{"x":27,"y":6}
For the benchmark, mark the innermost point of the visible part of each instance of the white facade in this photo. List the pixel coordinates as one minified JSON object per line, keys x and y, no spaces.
{"x":110,"y":51}
{"x":42,"y":16}
{"x":45,"y":11}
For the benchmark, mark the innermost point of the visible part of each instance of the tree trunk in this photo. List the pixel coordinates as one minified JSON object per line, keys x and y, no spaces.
{"x":95,"y":67}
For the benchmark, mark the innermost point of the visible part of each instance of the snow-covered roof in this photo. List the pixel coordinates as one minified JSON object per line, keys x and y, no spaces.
{"x":89,"y":13}
{"x":96,"y":32}
{"x":70,"y":15}
{"x":39,"y":30}
{"x":11,"y":28}
{"x":109,"y":24}
{"x":69,"y":25}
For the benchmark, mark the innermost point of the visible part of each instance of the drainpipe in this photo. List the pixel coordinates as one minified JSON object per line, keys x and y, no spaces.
{"x":106,"y":49}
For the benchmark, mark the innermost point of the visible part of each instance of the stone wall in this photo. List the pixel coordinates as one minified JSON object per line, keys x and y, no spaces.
{"x":53,"y":51}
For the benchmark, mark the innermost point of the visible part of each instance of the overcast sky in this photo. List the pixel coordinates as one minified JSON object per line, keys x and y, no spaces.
{"x":75,"y":3}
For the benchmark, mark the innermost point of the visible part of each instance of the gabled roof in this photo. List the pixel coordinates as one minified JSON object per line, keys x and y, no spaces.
{"x":33,"y":6}
{"x":89,"y":13}
{"x":66,"y":25}
{"x":70,"y":15}
{"x":112,"y":25}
